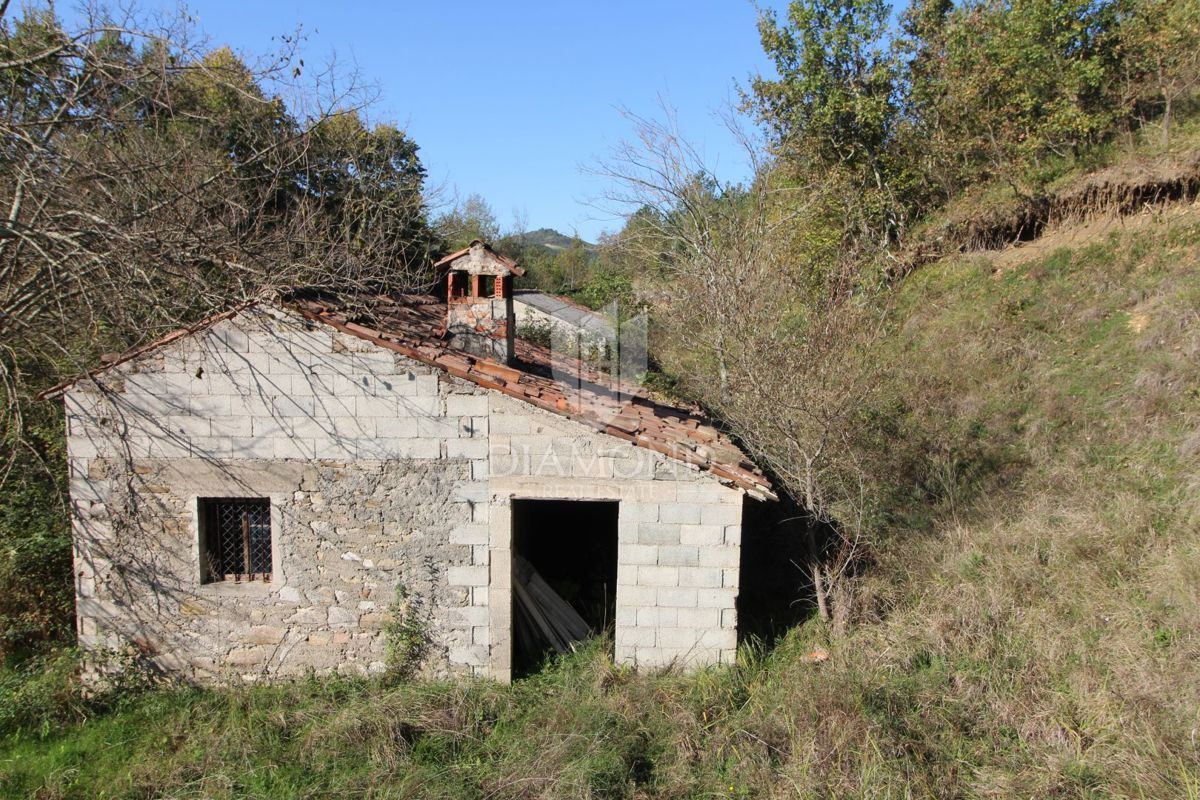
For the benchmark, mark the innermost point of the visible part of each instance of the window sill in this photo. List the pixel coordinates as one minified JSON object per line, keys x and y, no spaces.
{"x":237,"y":588}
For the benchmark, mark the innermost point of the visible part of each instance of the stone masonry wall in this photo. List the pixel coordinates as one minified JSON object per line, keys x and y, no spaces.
{"x":381,"y":473}
{"x":362,"y":453}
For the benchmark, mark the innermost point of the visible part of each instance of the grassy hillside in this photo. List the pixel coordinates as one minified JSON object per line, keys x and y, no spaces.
{"x":1033,"y":633}
{"x":551,"y":239}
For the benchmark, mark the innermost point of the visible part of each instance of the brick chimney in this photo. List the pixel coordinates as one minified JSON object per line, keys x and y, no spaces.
{"x":479,"y":301}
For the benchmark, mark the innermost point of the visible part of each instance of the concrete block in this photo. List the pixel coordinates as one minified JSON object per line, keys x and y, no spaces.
{"x":474,"y":575}
{"x":226,"y":336}
{"x":208,"y":405}
{"x":725,"y":514}
{"x":468,"y":617}
{"x":476,"y":449}
{"x":251,"y":447}
{"x":627,"y":574}
{"x":388,"y":448}
{"x":678,"y":638}
{"x":724,"y":556}
{"x":469,"y":534}
{"x":658,"y":533}
{"x":636,"y":595}
{"x":435,"y":427}
{"x":702,"y":535}
{"x":473,"y":492}
{"x":654,"y":617}
{"x":701,"y":577}
{"x":672,"y":556}
{"x":294,"y":448}
{"x":510,"y":424}
{"x":188,"y":426}
{"x":722,"y":638}
{"x":715,"y":598}
{"x":467,"y":405}
{"x":140,"y":447}
{"x":701,"y":618}
{"x":658,"y":576}
{"x":642,"y":512}
{"x":426,"y":384}
{"x":636,"y":636}
{"x":353,"y":428}
{"x":212,"y":447}
{"x":679,"y":513}
{"x":421,"y":406}
{"x":678,"y":597}
{"x":637,"y":554}
{"x":396,"y":427}
{"x":307,"y":384}
{"x":230,"y":426}
{"x":376,"y":406}
{"x":590,"y":465}
{"x":657,"y":492}
{"x":470,"y":655}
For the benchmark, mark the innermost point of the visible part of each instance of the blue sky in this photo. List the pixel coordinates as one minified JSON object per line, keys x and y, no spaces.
{"x":510,"y":100}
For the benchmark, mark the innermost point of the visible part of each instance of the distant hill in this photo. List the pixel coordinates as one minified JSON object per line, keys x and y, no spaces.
{"x":551,"y":240}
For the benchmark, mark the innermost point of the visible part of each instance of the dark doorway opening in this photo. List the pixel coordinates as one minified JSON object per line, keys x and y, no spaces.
{"x":571,"y":545}
{"x":776,"y":586}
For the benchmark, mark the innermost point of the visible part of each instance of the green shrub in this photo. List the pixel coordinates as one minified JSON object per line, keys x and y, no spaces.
{"x":36,"y":592}
{"x":42,"y":693}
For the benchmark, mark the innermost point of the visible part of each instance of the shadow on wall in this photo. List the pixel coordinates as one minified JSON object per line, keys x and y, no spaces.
{"x":341,"y":443}
{"x":776,"y":591}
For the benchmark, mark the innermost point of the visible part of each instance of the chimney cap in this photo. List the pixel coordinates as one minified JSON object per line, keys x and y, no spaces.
{"x":477,"y":254}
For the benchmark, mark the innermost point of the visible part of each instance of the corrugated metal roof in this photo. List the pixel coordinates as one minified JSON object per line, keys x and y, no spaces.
{"x":565,"y":309}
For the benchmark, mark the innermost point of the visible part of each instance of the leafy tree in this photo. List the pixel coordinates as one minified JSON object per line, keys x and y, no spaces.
{"x":1161,"y":43}
{"x":147,"y":181}
{"x":833,"y":99}
{"x":1003,"y":88}
{"x":470,"y":220}
{"x":831,"y":113}
{"x":369,"y":183}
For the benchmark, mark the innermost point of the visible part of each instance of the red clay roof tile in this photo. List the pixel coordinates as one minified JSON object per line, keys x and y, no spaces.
{"x":412,"y":325}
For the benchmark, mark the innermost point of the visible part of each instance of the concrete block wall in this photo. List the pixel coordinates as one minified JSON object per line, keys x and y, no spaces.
{"x":381,"y":472}
{"x":678,"y":535}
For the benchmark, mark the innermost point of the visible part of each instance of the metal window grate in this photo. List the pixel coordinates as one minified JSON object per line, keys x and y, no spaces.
{"x":238,"y":539}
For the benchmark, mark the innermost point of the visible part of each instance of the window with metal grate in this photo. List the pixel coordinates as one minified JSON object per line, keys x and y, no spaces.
{"x":236,"y":538}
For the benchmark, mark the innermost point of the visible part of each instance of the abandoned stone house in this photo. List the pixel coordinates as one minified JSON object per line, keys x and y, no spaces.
{"x":255,"y":495}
